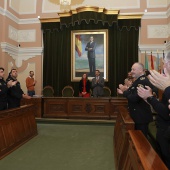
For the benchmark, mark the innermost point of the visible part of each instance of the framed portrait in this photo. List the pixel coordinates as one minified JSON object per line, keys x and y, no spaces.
{"x":89,"y":50}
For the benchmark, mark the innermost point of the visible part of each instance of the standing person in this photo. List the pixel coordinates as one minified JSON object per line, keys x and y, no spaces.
{"x":97,"y":84}
{"x":15,"y":93}
{"x":84,"y":86}
{"x":161,"y":107}
{"x":90,"y":48}
{"x":140,"y":111}
{"x":3,"y":90}
{"x":30,"y":83}
{"x":127,"y":82}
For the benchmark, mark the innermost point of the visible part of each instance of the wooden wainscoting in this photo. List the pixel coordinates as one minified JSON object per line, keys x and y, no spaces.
{"x":37,"y":101}
{"x":82,"y":108}
{"x":120,"y":138}
{"x":131,"y":148}
{"x":116,"y":102}
{"x":76,"y":107}
{"x":140,"y":154}
{"x":17,"y":126}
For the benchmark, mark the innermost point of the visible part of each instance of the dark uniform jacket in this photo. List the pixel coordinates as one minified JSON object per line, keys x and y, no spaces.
{"x":140,"y":110}
{"x":14,"y":94}
{"x":3,"y":94}
{"x":161,"y":108}
{"x":163,"y":124}
{"x":87,"y":86}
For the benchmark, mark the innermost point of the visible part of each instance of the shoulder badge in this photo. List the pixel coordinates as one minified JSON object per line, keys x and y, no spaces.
{"x":142,"y":78}
{"x":140,"y":85}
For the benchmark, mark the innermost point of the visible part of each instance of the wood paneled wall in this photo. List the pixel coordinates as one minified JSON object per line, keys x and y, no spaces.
{"x":17,"y":126}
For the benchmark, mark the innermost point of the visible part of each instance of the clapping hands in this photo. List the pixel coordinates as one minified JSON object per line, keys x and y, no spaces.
{"x":11,"y":83}
{"x":161,"y":81}
{"x":121,"y":89}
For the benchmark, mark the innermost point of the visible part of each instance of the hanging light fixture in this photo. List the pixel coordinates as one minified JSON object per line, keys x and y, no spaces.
{"x":65,"y":2}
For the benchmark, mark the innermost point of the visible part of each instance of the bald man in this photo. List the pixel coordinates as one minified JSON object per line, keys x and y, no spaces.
{"x":140,"y":110}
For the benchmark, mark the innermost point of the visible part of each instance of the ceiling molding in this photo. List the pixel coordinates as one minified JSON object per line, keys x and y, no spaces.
{"x":145,"y":15}
{"x":17,"y":20}
{"x":155,"y":48}
{"x":155,"y":15}
{"x":29,"y":21}
{"x":21,"y":54}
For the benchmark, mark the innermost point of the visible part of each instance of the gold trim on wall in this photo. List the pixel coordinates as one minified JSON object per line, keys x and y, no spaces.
{"x":130,"y":16}
{"x":65,"y":14}
{"x":87,"y":8}
{"x":44,"y":20}
{"x":94,"y":9}
{"x":110,"y":12}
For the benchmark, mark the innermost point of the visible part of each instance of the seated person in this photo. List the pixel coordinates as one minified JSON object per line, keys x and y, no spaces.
{"x":84,"y":86}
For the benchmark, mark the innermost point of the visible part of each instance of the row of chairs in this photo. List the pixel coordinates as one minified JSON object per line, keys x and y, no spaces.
{"x":68,"y":91}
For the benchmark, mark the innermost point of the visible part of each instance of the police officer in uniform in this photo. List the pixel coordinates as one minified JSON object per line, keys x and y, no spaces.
{"x":15,"y":93}
{"x":161,"y":107}
{"x":3,"y":90}
{"x":140,"y":111}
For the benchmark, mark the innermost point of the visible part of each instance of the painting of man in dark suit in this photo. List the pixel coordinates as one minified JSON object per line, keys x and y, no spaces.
{"x":89,"y":53}
{"x":90,"y":48}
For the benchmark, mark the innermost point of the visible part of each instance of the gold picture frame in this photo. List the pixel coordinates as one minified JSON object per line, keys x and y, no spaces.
{"x":82,"y":58}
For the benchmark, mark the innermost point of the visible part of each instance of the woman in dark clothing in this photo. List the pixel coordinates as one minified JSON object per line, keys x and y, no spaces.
{"x":84,"y":86}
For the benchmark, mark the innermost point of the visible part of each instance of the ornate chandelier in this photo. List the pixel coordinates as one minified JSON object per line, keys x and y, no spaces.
{"x":65,"y":2}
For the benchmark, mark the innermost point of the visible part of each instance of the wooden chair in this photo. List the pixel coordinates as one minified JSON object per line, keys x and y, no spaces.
{"x":48,"y":91}
{"x":68,"y":91}
{"x":107,"y":91}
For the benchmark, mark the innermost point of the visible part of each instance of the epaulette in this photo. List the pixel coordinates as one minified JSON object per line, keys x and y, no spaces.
{"x":140,"y":85}
{"x":142,"y":78}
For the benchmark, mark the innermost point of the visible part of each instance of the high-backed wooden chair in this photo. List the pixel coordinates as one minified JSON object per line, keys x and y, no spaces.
{"x":48,"y":91}
{"x":106,"y":91}
{"x":68,"y":91}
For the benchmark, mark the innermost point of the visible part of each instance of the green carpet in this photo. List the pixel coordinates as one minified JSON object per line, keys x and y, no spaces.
{"x":65,"y":147}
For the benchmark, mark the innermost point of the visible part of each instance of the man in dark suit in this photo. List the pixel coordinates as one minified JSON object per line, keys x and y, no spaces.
{"x":97,"y":84}
{"x":140,"y":111}
{"x":90,"y":48}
